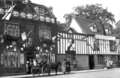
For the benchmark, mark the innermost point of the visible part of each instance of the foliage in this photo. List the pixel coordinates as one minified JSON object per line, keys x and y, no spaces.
{"x":95,"y":12}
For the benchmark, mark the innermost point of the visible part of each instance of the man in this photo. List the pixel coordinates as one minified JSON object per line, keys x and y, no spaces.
{"x":64,"y":66}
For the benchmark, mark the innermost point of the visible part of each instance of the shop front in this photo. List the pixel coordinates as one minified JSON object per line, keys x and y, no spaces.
{"x":12,"y":59}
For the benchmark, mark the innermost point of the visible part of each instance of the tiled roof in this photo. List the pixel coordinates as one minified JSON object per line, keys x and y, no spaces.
{"x":30,"y":8}
{"x":85,"y":25}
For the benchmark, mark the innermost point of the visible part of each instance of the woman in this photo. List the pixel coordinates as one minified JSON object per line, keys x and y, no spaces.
{"x":68,"y":68}
{"x":64,"y":66}
{"x":74,"y":64}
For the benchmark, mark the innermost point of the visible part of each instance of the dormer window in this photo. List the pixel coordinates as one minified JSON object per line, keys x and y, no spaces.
{"x":8,"y":3}
{"x":108,"y":30}
{"x":93,"y":28}
{"x":39,"y":10}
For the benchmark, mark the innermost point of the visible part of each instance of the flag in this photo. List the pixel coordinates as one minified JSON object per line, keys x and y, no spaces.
{"x":8,"y":13}
{"x":53,"y":38}
{"x":23,"y":35}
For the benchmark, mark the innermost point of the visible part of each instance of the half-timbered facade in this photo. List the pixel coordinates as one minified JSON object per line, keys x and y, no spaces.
{"x":26,"y":29}
{"x":91,"y":51}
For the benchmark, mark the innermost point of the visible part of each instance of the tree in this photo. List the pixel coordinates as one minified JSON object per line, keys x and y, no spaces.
{"x":94,"y":12}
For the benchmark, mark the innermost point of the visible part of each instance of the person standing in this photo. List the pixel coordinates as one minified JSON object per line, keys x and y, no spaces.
{"x":64,"y":66}
{"x":68,"y":67}
{"x":74,"y":64}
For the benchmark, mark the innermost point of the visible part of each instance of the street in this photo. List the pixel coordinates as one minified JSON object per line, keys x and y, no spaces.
{"x":104,"y":73}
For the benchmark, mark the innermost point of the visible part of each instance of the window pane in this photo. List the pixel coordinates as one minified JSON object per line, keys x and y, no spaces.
{"x":100,"y":59}
{"x":11,"y":59}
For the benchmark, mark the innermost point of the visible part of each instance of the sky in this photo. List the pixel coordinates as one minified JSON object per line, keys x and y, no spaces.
{"x":61,"y":7}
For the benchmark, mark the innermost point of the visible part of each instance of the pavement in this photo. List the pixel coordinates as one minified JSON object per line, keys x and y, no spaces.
{"x":59,"y":73}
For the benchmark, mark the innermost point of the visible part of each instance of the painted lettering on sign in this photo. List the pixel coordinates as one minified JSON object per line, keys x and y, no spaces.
{"x":12,"y":29}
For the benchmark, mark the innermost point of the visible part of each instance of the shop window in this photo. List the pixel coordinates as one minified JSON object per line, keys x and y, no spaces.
{"x":96,"y":45}
{"x":100,"y":59}
{"x":113,"y":58}
{"x":112,"y":45}
{"x":45,"y":33}
{"x":2,"y":59}
{"x":12,"y":29}
{"x":11,"y":59}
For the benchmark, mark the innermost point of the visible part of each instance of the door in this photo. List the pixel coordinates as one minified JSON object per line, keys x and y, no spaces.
{"x":119,"y":61}
{"x":70,"y":55}
{"x":91,"y":61}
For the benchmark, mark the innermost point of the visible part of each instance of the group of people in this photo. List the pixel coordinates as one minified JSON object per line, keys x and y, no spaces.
{"x":108,"y":64}
{"x":66,"y":67}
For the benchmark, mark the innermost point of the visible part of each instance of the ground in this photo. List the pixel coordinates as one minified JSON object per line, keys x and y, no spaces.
{"x":102,"y":73}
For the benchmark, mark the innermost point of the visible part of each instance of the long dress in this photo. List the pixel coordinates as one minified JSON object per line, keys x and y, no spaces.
{"x":68,"y":68}
{"x":64,"y":66}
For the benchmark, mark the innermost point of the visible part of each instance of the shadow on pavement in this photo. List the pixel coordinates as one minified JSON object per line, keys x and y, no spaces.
{"x":48,"y":76}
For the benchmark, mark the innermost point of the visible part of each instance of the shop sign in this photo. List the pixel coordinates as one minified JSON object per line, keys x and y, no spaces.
{"x":21,"y":58}
{"x":105,"y":37}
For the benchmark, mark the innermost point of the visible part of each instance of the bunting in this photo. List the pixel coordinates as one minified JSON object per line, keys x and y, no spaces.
{"x":8,"y":13}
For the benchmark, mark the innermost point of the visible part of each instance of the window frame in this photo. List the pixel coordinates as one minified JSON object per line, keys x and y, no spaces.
{"x":12,"y":29}
{"x":8,"y":5}
{"x":94,"y":28}
{"x":112,"y":45}
{"x":108,"y":30}
{"x":6,"y":60}
{"x":96,"y":42}
{"x":41,"y":10}
{"x":45,"y":33}
{"x":100,"y":59}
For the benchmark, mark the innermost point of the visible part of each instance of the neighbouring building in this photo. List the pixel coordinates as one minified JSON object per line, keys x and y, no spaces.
{"x":26,"y":29}
{"x":85,"y":42}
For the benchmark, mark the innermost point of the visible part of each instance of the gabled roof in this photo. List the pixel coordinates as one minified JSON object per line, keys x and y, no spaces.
{"x":72,"y":29}
{"x":30,"y":8}
{"x":84,"y":24}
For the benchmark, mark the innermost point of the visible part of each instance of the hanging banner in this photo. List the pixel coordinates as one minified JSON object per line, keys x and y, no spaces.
{"x":21,"y":58}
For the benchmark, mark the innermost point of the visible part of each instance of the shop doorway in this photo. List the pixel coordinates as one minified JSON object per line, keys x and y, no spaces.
{"x":119,"y":61}
{"x":70,"y":55}
{"x":29,"y":61}
{"x":91,"y":61}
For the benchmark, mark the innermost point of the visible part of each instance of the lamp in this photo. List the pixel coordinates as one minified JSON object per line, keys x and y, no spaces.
{"x":42,"y":18}
{"x":2,"y":40}
{"x":23,"y":15}
{"x":15,"y":49}
{"x":36,"y":17}
{"x":15,"y":13}
{"x":21,"y":48}
{"x":1,"y":11}
{"x":29,"y":16}
{"x":11,"y":45}
{"x":38,"y":48}
{"x":23,"y":45}
{"x":7,"y":47}
{"x":46,"y":50}
{"x":52,"y":20}
{"x":47,"y":19}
